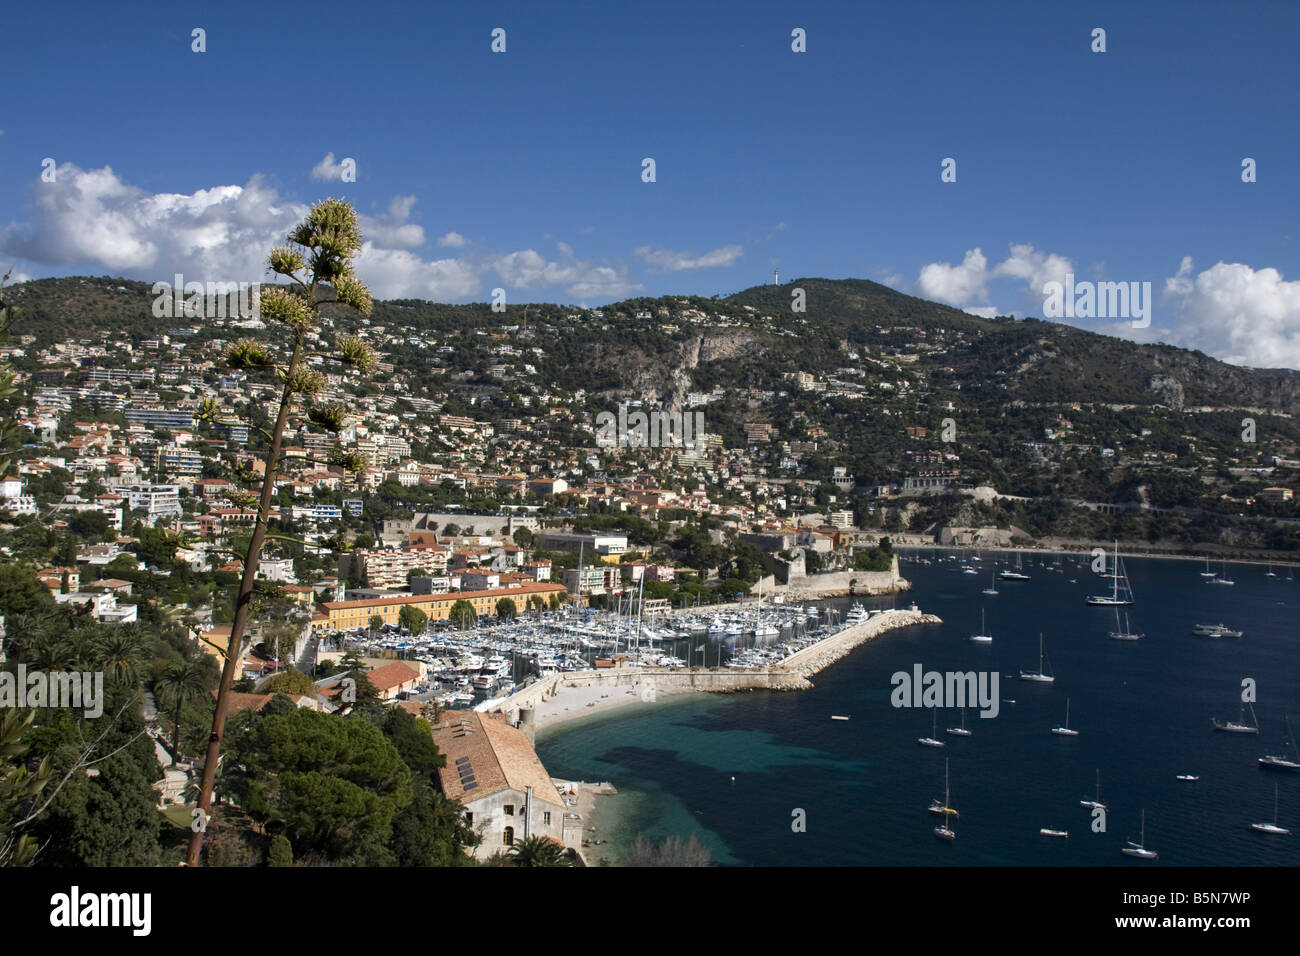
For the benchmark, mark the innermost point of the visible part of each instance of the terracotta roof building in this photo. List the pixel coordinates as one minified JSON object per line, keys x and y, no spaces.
{"x":497,"y":776}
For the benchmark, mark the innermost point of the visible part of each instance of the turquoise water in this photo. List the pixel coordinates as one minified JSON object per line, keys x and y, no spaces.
{"x":863,"y":786}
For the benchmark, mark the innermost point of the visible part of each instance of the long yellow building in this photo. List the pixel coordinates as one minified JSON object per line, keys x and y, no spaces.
{"x":350,"y":615}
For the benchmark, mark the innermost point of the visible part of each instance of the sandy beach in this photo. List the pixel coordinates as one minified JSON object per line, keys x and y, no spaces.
{"x":571,"y":703}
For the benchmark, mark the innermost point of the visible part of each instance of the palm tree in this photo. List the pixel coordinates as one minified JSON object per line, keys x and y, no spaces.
{"x":120,"y":651}
{"x":538,"y":851}
{"x":182,"y":679}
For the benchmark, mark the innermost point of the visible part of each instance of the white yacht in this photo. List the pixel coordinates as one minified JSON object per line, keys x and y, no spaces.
{"x":1139,"y":849}
{"x":1064,"y":730}
{"x":1238,"y":726}
{"x":857,"y":614}
{"x":1040,"y":676}
{"x":1272,"y":828}
{"x":1121,"y":591}
{"x":932,"y":740}
{"x":1094,"y":804}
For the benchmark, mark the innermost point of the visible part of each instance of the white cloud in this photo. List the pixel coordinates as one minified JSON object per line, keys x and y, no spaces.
{"x":452,"y":240}
{"x":399,"y":274}
{"x":957,"y":285}
{"x":1236,"y":313}
{"x":581,"y":278}
{"x":327,"y":170}
{"x":392,"y":231}
{"x":671,"y":261}
{"x":1038,"y":268}
{"x":983,"y":311}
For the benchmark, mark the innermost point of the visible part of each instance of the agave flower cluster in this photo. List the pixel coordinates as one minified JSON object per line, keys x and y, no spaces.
{"x":318,"y":262}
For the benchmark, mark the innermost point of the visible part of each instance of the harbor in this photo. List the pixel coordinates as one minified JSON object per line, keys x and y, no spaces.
{"x":484,"y":665}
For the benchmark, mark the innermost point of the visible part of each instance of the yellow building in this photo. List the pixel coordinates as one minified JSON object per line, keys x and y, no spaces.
{"x":350,"y":615}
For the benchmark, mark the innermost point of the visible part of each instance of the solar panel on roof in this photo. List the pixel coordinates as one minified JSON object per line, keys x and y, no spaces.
{"x":471,"y":786}
{"x":462,"y":760}
{"x":468,"y":782}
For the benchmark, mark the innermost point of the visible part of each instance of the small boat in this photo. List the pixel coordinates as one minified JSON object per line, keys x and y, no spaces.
{"x":1188,"y":778}
{"x":1064,"y":730}
{"x":1207,"y":573}
{"x":1047,"y":831}
{"x":1139,"y":849}
{"x":1040,"y":676}
{"x":1272,"y":828}
{"x":983,"y":637}
{"x":932,"y":740}
{"x":960,"y":731}
{"x":1095,"y":804}
{"x":838,"y":717}
{"x":993,"y":586}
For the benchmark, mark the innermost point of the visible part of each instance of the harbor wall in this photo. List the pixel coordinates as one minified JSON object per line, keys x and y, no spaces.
{"x":793,"y":673}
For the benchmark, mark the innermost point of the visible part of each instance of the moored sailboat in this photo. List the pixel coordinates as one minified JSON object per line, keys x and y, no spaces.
{"x":1271,"y":828}
{"x":1064,"y":730}
{"x":1139,"y":849}
{"x":1121,"y":590}
{"x":1040,"y":676}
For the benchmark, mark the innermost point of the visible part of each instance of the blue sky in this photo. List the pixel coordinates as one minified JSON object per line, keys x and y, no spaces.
{"x":522,"y":170}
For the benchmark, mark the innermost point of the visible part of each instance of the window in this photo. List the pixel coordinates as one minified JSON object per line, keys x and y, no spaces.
{"x":508,"y":838}
{"x":510,"y":809}
{"x":546,"y":817}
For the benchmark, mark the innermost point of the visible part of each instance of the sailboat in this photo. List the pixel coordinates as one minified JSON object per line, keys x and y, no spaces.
{"x":1139,"y":849}
{"x":1238,"y":726}
{"x":1125,"y":633}
{"x":1226,"y":580}
{"x":944,"y":831}
{"x":1039,"y":675}
{"x":1095,"y":804}
{"x":1270,"y":573}
{"x":1271,"y":827}
{"x":1121,"y":591}
{"x":1016,"y":575}
{"x":993,"y":586}
{"x":1064,"y":730}
{"x":932,"y":740}
{"x":941,"y":806}
{"x":1207,"y":573}
{"x":1284,"y":760}
{"x":983,"y":637}
{"x":960,"y":731}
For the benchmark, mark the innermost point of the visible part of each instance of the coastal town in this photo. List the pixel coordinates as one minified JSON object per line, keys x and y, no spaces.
{"x":472,"y":540}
